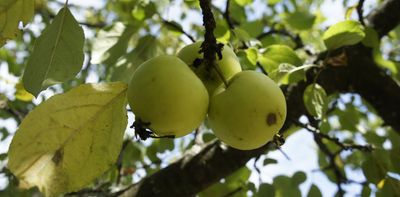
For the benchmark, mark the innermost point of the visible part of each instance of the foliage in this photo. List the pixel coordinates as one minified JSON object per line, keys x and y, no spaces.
{"x":65,"y":68}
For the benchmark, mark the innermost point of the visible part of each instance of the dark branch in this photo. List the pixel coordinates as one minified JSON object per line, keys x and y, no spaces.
{"x":360,"y":11}
{"x":195,"y":171}
{"x":210,"y":47}
{"x":386,"y":17}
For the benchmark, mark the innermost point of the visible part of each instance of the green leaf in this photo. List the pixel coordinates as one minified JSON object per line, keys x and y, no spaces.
{"x":110,"y":45}
{"x":146,"y":48}
{"x":57,"y":55}
{"x":286,"y":73}
{"x":314,"y":191}
{"x":376,"y":166}
{"x":299,"y":20}
{"x":70,"y":139}
{"x":382,"y":62}
{"x":269,"y":161}
{"x":284,"y":186}
{"x":241,"y":34}
{"x":342,"y":34}
{"x":235,"y":182}
{"x":371,"y":38}
{"x":243,"y":2}
{"x":391,"y":187}
{"x":366,"y":191}
{"x":11,"y":13}
{"x":266,"y":189}
{"x":275,"y":55}
{"x":315,"y":100}
{"x":253,"y":28}
{"x":299,"y":177}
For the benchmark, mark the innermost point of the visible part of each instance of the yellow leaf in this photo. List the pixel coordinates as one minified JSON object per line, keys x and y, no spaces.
{"x":70,"y":139}
{"x":22,"y":94}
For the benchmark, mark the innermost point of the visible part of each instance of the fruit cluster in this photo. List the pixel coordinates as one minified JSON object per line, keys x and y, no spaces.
{"x":172,"y":96}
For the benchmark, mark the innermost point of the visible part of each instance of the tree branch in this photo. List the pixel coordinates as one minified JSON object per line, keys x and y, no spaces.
{"x":195,"y":172}
{"x":385,"y":17}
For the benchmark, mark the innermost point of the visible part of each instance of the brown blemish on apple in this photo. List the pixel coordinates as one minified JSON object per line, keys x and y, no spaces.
{"x":271,"y":119}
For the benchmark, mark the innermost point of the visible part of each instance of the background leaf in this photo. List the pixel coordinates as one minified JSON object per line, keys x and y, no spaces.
{"x":315,"y":100}
{"x":57,"y":55}
{"x":11,"y":13}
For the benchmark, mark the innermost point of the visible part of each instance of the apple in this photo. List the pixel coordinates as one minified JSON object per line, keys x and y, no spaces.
{"x":229,"y":65}
{"x":167,"y":95}
{"x":249,"y":112}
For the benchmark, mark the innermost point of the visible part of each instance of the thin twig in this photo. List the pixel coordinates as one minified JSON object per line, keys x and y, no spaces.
{"x":360,"y":11}
{"x":178,"y":28}
{"x":227,"y":16}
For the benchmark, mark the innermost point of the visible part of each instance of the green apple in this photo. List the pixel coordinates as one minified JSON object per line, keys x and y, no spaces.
{"x":229,"y":65}
{"x":164,"y":92}
{"x":249,"y":112}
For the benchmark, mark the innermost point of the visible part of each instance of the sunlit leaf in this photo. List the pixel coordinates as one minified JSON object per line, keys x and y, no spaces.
{"x":275,"y":55}
{"x":342,"y":34}
{"x":70,"y":139}
{"x":57,"y":55}
{"x":22,"y":94}
{"x":315,"y":100}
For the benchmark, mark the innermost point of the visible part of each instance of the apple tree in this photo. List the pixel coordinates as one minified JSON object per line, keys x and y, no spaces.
{"x":194,"y":97}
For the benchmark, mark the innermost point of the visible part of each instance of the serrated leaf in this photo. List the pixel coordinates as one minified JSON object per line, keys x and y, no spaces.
{"x":57,"y":55}
{"x":70,"y":139}
{"x":342,"y":34}
{"x":315,"y":100}
{"x":11,"y":13}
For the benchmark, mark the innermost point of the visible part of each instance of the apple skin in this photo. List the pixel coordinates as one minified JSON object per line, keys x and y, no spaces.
{"x":249,"y":112}
{"x":229,"y":65}
{"x":164,"y":92}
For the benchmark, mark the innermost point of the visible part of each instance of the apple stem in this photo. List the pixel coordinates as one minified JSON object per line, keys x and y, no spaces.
{"x":219,"y":72}
{"x":210,"y":47}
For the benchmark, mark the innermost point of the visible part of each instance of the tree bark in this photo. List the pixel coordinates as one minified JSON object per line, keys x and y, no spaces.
{"x":195,"y":172}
